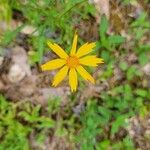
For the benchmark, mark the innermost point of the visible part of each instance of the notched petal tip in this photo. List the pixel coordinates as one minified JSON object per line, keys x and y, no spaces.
{"x":54,"y":85}
{"x":85,"y":74}
{"x":85,"y":49}
{"x":73,"y":90}
{"x":90,"y":60}
{"x":93,"y":44}
{"x":73,"y":81}
{"x":102,"y":60}
{"x":43,"y":68}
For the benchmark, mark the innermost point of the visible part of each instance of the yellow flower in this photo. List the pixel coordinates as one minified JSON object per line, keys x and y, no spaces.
{"x":72,"y":63}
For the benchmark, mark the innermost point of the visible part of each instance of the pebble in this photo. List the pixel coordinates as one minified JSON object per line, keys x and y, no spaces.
{"x":146,"y":69}
{"x":16,"y":73}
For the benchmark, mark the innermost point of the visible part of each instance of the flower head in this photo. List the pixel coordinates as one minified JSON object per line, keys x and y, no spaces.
{"x":72,"y":63}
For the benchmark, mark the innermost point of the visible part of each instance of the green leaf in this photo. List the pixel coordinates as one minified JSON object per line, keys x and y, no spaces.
{"x":105,"y":55}
{"x":103,"y":26}
{"x":128,"y":93}
{"x":116,"y":39}
{"x":123,"y":65}
{"x":141,"y":92}
{"x":131,"y":72}
{"x":6,"y":11}
{"x":10,"y":35}
{"x":143,"y":48}
{"x":119,"y":122}
{"x":143,"y":59}
{"x":46,"y":122}
{"x":105,"y":115}
{"x":105,"y":43}
{"x":140,"y":33}
{"x":61,"y":132}
{"x":39,"y":43}
{"x":103,"y":145}
{"x":41,"y":46}
{"x":128,"y":143}
{"x":142,"y":21}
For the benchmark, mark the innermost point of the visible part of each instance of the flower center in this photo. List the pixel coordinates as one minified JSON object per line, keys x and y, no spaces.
{"x":72,"y":62}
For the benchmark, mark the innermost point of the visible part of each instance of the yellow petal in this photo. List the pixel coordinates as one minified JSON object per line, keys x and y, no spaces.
{"x":54,"y":64}
{"x":73,"y":81}
{"x":85,"y":74}
{"x":85,"y":49}
{"x":60,"y":76}
{"x":74,"y":45}
{"x":58,"y":50}
{"x":91,"y":60}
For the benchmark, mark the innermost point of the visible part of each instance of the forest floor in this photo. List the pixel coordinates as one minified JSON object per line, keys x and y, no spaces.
{"x":113,"y":114}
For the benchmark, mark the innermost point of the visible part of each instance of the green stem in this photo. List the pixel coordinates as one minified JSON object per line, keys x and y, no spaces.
{"x":71,"y":8}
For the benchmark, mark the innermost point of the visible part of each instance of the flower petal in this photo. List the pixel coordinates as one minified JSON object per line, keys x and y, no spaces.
{"x":58,"y":50}
{"x":91,"y":60}
{"x":85,"y":74}
{"x":73,"y":81}
{"x":60,"y":76}
{"x":74,"y":45}
{"x":54,"y":64}
{"x":85,"y":49}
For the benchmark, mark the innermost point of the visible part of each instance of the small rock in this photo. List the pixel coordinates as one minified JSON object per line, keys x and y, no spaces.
{"x":147,"y":133}
{"x":16,"y":73}
{"x":28,"y":86}
{"x":118,"y":75}
{"x":102,"y":7}
{"x":54,"y":92}
{"x":19,"y":57}
{"x":79,"y":109}
{"x":132,"y":58}
{"x":29,"y":30}
{"x":51,"y":92}
{"x":146,"y":69}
